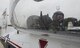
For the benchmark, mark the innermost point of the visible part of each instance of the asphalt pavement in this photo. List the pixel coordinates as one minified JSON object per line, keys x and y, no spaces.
{"x":1,"y":45}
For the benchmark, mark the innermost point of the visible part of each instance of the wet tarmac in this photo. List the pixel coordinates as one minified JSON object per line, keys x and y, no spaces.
{"x":1,"y":45}
{"x":60,"y":39}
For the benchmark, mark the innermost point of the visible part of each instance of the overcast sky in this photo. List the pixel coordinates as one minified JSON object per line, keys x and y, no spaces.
{"x":4,"y":4}
{"x":26,"y":8}
{"x":69,"y":7}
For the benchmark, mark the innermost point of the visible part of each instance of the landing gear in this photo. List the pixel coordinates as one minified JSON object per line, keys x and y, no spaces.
{"x":17,"y":31}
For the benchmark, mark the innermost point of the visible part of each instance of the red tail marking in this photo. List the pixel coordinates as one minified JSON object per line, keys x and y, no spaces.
{"x":43,"y":43}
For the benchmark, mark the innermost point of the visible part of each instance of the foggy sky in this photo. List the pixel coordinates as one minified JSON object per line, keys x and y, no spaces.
{"x":26,"y":8}
{"x":3,"y":5}
{"x":71,"y":8}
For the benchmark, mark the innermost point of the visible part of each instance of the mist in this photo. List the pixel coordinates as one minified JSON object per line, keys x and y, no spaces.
{"x":70,"y":8}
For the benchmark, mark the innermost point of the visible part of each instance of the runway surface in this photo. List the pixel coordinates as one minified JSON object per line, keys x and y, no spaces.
{"x":1,"y":46}
{"x":30,"y":38}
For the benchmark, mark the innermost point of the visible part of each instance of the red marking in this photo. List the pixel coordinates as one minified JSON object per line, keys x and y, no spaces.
{"x":15,"y":44}
{"x":11,"y":42}
{"x":43,"y":43}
